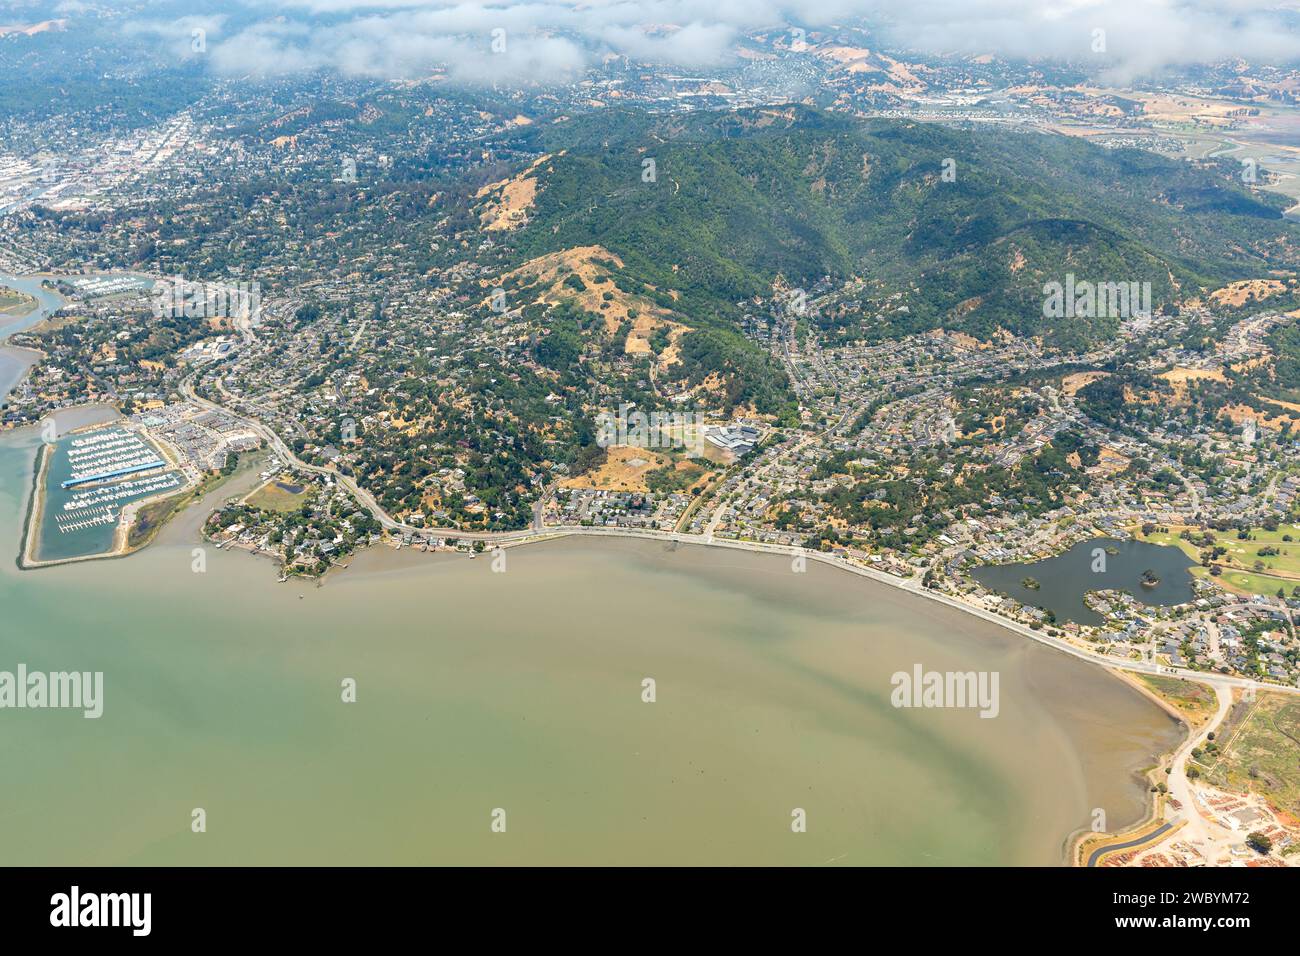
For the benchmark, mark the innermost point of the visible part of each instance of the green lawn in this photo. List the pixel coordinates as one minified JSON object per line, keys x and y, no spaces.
{"x":1169,"y":538}
{"x":1251,"y":583}
{"x":1246,"y":553}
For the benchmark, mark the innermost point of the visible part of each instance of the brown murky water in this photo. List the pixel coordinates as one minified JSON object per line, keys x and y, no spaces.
{"x":522,"y":691}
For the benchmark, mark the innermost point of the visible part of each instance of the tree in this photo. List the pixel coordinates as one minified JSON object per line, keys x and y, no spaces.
{"x":306,"y":314}
{"x":1259,"y":842}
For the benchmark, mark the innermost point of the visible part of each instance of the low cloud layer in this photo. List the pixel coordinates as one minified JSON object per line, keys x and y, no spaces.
{"x":553,"y":41}
{"x":1128,"y":39}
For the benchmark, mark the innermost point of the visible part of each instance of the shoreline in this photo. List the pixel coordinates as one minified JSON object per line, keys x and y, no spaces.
{"x":1079,"y":852}
{"x":13,"y":314}
{"x":785,"y":694}
{"x":911,"y":585}
{"x":1071,"y":842}
{"x":23,"y":359}
{"x":1141,"y":776}
{"x":533,"y":534}
{"x":1072,"y":845}
{"x":13,"y":324}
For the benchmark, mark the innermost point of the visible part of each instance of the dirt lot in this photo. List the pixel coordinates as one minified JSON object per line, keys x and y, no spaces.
{"x":624,"y":469}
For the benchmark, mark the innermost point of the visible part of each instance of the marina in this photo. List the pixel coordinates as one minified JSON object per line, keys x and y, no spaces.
{"x":89,"y":478}
{"x":84,"y":518}
{"x":107,"y":455}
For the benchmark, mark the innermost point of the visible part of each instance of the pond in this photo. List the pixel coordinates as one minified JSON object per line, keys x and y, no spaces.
{"x":1065,"y":579}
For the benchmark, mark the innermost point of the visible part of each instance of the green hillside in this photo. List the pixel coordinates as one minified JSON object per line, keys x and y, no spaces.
{"x":740,"y":198}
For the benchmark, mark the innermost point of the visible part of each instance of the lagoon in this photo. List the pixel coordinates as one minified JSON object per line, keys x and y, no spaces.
{"x":1065,"y":579}
{"x":46,"y":303}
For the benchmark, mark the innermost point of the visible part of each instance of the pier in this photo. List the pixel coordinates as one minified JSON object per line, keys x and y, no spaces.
{"x":107,"y":455}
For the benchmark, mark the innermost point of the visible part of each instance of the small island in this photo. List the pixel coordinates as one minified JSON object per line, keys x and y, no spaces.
{"x":1149,"y":578}
{"x":1030,"y":584}
{"x":15,"y":303}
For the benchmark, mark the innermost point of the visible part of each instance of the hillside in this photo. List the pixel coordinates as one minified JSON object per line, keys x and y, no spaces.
{"x":740,"y":199}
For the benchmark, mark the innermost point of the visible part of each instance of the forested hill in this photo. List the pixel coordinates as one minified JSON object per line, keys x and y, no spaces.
{"x":737,"y":199}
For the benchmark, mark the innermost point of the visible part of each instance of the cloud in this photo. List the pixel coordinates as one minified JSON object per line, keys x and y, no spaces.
{"x":183,"y":38}
{"x":1119,"y":38}
{"x":695,"y":44}
{"x":402,"y":46}
{"x":553,"y":41}
{"x":499,"y":43}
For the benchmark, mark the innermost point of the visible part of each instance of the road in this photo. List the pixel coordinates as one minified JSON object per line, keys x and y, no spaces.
{"x":1199,"y":831}
{"x":1191,"y":492}
{"x":1151,"y":838}
{"x":762,"y":469}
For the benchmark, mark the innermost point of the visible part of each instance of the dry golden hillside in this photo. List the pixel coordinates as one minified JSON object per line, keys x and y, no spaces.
{"x":546,"y":278}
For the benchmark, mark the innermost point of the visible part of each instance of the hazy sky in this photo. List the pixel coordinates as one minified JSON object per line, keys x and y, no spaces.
{"x":555,"y":40}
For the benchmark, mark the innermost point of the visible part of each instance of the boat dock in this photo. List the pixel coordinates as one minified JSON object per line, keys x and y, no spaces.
{"x":85,"y":518}
{"x":106,"y":455}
